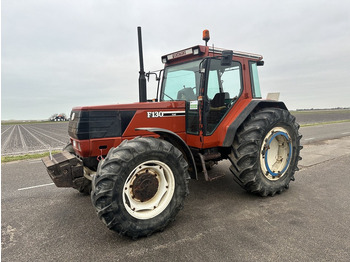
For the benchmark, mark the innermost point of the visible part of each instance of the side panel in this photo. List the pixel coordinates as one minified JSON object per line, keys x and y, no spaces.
{"x":173,"y":119}
{"x":217,"y":138}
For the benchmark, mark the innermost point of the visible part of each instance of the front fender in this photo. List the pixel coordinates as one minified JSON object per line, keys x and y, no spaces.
{"x":179,"y":143}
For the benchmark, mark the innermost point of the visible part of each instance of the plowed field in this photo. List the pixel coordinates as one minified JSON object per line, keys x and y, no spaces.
{"x":33,"y":138}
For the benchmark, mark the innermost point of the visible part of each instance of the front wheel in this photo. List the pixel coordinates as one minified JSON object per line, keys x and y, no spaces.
{"x":140,"y":187}
{"x":265,"y":151}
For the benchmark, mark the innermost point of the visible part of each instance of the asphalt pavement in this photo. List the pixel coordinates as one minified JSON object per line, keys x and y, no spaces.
{"x":220,"y":221}
{"x":317,"y":133}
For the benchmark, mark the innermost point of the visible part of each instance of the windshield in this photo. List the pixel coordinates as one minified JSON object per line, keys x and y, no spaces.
{"x":181,"y":82}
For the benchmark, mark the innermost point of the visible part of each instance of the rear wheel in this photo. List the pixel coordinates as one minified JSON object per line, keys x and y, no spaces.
{"x":140,"y":187}
{"x":265,"y":151}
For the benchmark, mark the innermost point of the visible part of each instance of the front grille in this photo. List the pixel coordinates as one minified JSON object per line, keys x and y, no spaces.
{"x":98,"y":123}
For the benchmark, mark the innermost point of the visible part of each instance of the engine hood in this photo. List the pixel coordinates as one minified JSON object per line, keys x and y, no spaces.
{"x":135,"y":106}
{"x":90,"y":122}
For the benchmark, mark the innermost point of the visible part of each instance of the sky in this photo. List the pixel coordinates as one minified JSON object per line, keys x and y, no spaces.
{"x":59,"y":54}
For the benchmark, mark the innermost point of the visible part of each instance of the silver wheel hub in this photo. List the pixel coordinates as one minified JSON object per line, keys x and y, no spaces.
{"x":148,"y":189}
{"x":275,"y":153}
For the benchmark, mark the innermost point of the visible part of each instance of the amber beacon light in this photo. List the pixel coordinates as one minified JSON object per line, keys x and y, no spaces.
{"x":206,"y":36}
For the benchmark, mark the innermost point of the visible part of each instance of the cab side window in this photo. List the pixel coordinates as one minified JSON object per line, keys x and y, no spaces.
{"x":254,"y":79}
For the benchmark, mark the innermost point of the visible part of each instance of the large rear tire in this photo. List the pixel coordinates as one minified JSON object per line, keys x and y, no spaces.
{"x":140,"y":187}
{"x":265,"y":151}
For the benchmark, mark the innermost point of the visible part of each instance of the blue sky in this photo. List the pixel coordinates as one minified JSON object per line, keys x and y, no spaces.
{"x":61,"y":54}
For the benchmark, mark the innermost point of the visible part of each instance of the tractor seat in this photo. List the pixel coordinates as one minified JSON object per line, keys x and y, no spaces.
{"x":186,"y":94}
{"x":219,"y":99}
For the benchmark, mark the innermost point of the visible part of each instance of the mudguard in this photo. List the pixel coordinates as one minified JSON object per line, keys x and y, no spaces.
{"x":254,"y":104}
{"x":179,"y":143}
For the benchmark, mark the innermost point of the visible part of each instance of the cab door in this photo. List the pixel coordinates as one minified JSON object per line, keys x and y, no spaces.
{"x":223,"y":88}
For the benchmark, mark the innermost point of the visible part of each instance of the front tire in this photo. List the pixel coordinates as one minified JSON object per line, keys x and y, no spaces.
{"x":265,"y":151}
{"x":140,"y":187}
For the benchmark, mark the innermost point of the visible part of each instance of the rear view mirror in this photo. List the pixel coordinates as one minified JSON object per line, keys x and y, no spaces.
{"x":226,"y":59}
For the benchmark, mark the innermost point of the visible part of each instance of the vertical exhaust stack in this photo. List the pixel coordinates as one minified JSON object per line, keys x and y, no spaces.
{"x":142,"y":77}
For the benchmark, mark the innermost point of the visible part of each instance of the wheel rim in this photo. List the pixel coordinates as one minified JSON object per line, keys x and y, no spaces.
{"x":275,"y":153}
{"x":148,"y":189}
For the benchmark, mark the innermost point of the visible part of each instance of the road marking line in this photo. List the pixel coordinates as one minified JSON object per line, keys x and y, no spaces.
{"x":309,"y":138}
{"x":345,"y":133}
{"x":31,"y":187}
{"x":35,"y":161}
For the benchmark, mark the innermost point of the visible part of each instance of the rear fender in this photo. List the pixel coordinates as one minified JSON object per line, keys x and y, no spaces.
{"x":254,"y":104}
{"x":179,"y":143}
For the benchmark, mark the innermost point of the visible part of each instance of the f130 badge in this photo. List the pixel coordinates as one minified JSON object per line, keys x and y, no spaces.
{"x":157,"y":114}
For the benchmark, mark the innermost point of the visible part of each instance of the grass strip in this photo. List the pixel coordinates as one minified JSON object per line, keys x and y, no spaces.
{"x":320,"y":111}
{"x":325,"y":123}
{"x":5,"y":159}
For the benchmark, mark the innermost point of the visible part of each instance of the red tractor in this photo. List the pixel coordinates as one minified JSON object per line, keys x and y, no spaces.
{"x":136,"y":159}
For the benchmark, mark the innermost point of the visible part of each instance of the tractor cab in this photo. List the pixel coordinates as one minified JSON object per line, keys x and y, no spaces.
{"x":211,"y":81}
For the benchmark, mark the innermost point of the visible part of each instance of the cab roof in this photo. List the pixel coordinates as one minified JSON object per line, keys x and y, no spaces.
{"x":204,"y":51}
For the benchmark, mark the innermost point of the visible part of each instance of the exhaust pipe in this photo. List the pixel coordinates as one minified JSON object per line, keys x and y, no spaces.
{"x":142,"y":77}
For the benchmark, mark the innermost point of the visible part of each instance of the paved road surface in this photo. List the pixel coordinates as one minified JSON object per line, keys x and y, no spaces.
{"x":312,"y":134}
{"x":220,"y":221}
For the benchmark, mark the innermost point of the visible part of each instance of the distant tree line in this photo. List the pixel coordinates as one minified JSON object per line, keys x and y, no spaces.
{"x":334,"y":108}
